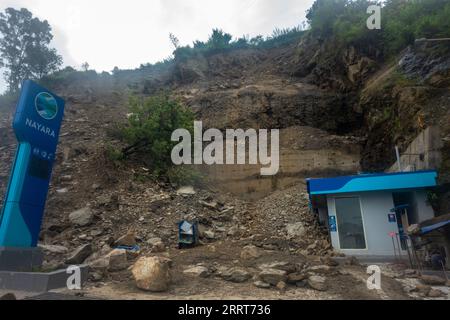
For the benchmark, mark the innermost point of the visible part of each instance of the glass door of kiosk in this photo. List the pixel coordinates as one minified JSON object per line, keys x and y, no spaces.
{"x":350,"y":223}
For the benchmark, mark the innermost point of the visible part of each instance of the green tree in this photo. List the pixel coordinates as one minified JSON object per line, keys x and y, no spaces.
{"x":323,"y":15}
{"x":174,"y":40}
{"x":150,"y":127}
{"x":24,"y":47}
{"x":219,"y":40}
{"x":85,"y":67}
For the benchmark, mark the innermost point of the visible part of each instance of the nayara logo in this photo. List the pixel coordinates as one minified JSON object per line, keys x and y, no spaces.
{"x":40,"y":127}
{"x":46,"y":106}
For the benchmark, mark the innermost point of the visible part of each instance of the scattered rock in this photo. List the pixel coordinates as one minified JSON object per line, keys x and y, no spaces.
{"x":321,"y":269}
{"x":186,"y":191}
{"x":96,"y":277}
{"x":237,"y":275}
{"x":262,"y":285}
{"x":328,"y":261}
{"x":80,"y":254}
{"x":295,"y":230}
{"x":104,"y":200}
{"x":250,"y":252}
{"x":435,"y":293}
{"x":53,"y":249}
{"x":128,"y":240}
{"x":282,"y":265}
{"x":422,"y":290}
{"x":157,"y":245}
{"x":66,"y":178}
{"x":157,"y":205}
{"x":152,"y":274}
{"x":317,"y":283}
{"x":96,"y":233}
{"x":234,"y":231}
{"x":352,"y":261}
{"x":433,"y":280}
{"x":211,"y":205}
{"x":294,"y":278}
{"x":210,"y":235}
{"x":281,"y":286}
{"x":410,"y":273}
{"x":343,"y":272}
{"x":273,"y":276}
{"x":8,"y":297}
{"x":117,"y":260}
{"x":197,"y":271}
{"x":82,"y":217}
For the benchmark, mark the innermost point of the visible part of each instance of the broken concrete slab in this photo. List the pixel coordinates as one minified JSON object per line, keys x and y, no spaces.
{"x":39,"y":281}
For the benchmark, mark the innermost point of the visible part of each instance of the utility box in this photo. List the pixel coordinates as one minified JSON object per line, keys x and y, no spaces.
{"x":187,"y":234}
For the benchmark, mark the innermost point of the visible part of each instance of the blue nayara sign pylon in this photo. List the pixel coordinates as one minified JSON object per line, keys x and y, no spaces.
{"x":36,"y":124}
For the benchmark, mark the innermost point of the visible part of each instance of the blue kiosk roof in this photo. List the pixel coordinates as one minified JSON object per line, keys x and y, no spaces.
{"x":373,"y":182}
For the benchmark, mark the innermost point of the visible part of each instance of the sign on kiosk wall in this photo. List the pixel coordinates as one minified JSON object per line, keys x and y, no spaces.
{"x":37,"y":123}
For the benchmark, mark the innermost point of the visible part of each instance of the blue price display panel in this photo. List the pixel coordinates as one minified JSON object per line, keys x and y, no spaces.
{"x":37,"y":123}
{"x":332,"y":224}
{"x":392,"y":218}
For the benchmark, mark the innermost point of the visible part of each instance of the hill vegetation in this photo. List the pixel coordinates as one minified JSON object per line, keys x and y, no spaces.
{"x":402,"y":22}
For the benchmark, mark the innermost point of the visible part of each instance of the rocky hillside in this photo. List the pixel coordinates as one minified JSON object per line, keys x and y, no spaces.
{"x":339,"y":111}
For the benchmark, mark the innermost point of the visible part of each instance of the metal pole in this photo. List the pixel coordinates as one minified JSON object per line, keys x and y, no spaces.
{"x":445,"y":271}
{"x":395,"y":250}
{"x":411,"y":262}
{"x":416,"y":257}
{"x":397,"y":236}
{"x":397,"y":153}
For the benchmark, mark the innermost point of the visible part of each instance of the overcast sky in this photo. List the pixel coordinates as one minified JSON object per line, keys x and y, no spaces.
{"x":126,"y":34}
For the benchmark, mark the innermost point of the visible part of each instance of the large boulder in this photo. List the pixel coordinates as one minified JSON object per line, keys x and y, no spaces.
{"x":152,"y":274}
{"x":82,"y":217}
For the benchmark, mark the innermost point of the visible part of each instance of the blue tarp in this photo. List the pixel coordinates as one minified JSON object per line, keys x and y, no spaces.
{"x":433,"y":227}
